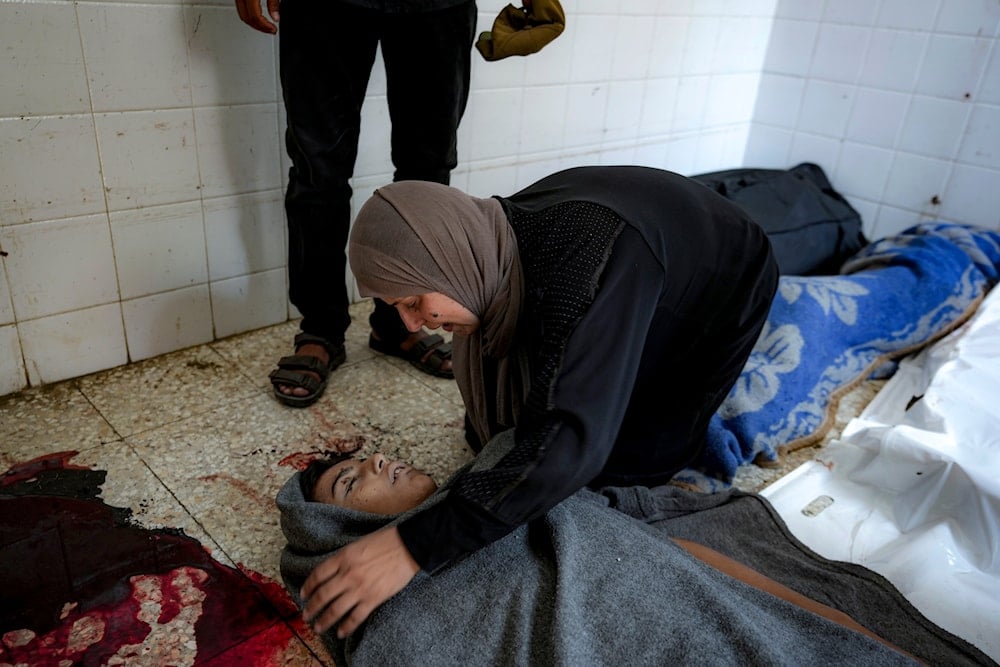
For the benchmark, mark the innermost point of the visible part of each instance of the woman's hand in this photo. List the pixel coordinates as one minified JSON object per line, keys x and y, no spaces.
{"x":345,"y":588}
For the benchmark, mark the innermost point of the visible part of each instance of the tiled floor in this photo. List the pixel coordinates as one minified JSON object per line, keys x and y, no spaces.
{"x":195,"y":441}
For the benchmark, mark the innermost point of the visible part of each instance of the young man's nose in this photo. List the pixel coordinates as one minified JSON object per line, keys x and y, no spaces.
{"x":378,"y":463}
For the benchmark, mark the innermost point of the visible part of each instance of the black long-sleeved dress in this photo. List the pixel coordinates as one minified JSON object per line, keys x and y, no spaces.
{"x":645,"y":293}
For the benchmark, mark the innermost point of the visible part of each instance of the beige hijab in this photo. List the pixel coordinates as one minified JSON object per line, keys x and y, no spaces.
{"x":415,"y":237}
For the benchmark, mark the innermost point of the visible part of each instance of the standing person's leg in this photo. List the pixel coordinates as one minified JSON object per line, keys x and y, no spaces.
{"x":428,"y":61}
{"x":326,"y":54}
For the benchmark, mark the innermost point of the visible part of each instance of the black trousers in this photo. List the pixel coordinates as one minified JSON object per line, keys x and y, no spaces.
{"x":326,"y":52}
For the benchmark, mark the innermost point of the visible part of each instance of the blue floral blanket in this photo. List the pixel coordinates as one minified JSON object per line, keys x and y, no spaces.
{"x":825,"y":334}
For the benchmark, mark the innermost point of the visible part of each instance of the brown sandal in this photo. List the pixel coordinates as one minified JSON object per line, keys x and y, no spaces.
{"x":293,"y":371}
{"x":428,"y":354}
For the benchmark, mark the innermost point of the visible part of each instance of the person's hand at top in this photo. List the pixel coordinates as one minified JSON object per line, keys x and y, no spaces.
{"x":251,"y":14}
{"x":345,"y":588}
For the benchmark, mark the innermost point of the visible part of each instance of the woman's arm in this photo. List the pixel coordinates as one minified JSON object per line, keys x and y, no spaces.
{"x":562,"y":449}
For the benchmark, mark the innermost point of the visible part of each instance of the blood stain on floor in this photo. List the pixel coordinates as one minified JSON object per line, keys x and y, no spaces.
{"x":83,"y":584}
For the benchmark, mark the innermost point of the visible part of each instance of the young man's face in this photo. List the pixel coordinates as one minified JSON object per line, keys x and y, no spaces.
{"x":375,"y":485}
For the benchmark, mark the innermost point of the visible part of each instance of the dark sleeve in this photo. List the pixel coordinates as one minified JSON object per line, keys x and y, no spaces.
{"x":566,"y":446}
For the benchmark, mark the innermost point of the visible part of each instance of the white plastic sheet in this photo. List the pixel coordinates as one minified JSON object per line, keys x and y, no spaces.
{"x":915,"y":483}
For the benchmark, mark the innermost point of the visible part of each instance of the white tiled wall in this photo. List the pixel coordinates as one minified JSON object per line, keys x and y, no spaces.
{"x":142,"y":163}
{"x":139,"y":170}
{"x":897,"y":100}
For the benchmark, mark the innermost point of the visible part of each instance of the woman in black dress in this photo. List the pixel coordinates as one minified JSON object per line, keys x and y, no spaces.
{"x":603,"y":313}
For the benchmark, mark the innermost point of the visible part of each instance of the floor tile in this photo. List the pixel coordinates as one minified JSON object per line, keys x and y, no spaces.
{"x":400,"y":418}
{"x":446,"y":387}
{"x":48,"y":419}
{"x":227,"y":465}
{"x":130,"y":483}
{"x":286,"y":649}
{"x":315,"y":645}
{"x":256,"y":353}
{"x":164,"y":389}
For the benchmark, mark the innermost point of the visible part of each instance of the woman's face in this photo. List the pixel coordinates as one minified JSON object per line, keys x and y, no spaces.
{"x":434,"y":310}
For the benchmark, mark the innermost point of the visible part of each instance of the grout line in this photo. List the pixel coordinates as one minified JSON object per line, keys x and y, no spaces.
{"x":180,"y":503}
{"x":75,"y":383}
{"x":185,"y":15}
{"x":104,"y":183}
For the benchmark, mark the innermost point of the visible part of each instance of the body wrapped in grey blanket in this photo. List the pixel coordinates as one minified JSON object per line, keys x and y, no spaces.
{"x":597,"y":581}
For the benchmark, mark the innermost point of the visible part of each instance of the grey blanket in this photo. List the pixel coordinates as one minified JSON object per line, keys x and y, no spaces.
{"x":596,"y":581}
